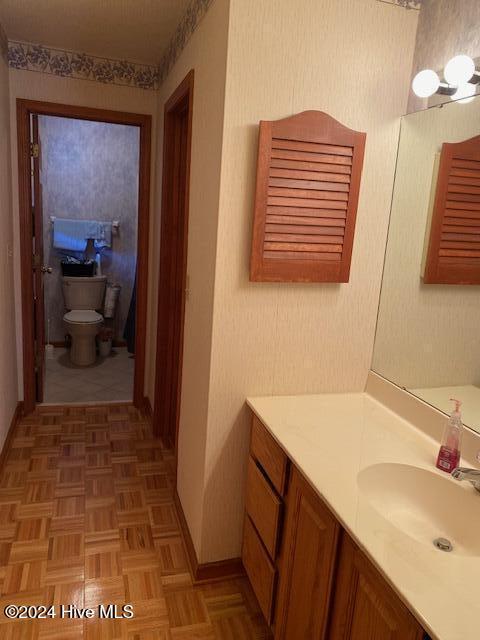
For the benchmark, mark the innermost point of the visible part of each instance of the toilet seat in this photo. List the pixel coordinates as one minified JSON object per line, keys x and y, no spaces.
{"x":83,"y":316}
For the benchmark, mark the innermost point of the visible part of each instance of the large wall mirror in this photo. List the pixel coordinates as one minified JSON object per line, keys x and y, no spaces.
{"x":428,"y":333}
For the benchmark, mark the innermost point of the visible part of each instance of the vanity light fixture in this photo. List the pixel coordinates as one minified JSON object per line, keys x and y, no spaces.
{"x":465,"y":93}
{"x":425,"y":83}
{"x":460,"y":80}
{"x":459,"y":70}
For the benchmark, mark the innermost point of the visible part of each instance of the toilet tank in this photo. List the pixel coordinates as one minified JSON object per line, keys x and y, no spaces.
{"x":83,"y":293}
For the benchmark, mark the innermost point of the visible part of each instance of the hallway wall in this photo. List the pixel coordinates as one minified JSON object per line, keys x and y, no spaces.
{"x":8,"y":356}
{"x":275,"y":338}
{"x":206,"y":53}
{"x":352,"y":59}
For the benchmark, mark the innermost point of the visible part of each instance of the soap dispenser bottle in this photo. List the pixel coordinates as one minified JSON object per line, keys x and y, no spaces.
{"x":449,"y":454}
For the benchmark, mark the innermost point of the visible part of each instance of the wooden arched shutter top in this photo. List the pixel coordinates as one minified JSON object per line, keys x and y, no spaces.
{"x":454,"y":247}
{"x":308,"y":182}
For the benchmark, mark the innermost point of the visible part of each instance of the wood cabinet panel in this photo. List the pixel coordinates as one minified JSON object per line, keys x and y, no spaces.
{"x":259,"y":568}
{"x":307,"y":567}
{"x":454,"y":245}
{"x":327,"y":588}
{"x":269,"y":455}
{"x":364,"y":605}
{"x":308,"y":175}
{"x":264,"y":507}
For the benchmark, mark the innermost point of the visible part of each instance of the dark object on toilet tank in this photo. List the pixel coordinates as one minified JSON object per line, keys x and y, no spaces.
{"x":83,"y":269}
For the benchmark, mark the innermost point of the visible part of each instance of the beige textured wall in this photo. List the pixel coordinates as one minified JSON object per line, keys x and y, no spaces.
{"x":352,"y":59}
{"x":49,"y":88}
{"x":427,"y":335}
{"x":445,"y":29}
{"x":8,"y":356}
{"x":206,"y":53}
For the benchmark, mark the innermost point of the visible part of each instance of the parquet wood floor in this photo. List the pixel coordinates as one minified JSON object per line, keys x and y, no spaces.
{"x":87,"y":517}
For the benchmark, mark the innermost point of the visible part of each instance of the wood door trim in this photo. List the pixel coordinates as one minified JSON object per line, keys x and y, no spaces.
{"x":183,"y":92}
{"x":144,"y":122}
{"x":39,"y":285}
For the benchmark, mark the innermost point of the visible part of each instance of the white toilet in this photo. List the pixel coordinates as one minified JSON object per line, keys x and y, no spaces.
{"x":82,"y":297}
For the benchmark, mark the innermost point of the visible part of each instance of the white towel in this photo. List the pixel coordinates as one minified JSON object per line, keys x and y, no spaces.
{"x":104,"y":235}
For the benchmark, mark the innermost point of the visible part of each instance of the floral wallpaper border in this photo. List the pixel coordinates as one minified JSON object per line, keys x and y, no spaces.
{"x":190,"y":21}
{"x":3,"y":44}
{"x":59,"y":62}
{"x":70,"y":64}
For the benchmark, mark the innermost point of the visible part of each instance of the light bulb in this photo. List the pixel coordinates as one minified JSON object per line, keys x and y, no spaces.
{"x":459,"y":70}
{"x":465,"y":93}
{"x":425,"y":83}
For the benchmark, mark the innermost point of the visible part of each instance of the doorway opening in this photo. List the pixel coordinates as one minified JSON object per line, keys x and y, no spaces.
{"x":173,"y":261}
{"x":84,"y":204}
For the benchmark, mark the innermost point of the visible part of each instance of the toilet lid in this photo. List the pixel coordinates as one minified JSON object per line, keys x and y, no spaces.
{"x":83,"y":316}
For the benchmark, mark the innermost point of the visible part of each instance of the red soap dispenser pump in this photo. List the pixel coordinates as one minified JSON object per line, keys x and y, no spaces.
{"x":449,"y":454}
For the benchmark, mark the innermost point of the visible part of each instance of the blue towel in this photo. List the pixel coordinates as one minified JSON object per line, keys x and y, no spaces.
{"x":72,"y":235}
{"x":91,"y":230}
{"x":69,"y":234}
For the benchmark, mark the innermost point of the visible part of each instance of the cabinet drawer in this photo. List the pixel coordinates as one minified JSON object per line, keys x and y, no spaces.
{"x":263,"y":506}
{"x":260,"y":570}
{"x":269,"y":455}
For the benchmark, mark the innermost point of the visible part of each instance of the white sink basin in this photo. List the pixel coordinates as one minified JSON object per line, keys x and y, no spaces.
{"x":424,"y":505}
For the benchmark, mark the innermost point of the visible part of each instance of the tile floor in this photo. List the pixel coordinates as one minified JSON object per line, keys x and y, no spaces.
{"x":87,"y":517}
{"x":109,"y":379}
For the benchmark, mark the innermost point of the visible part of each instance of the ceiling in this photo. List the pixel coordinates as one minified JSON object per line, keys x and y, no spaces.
{"x":135,"y":30}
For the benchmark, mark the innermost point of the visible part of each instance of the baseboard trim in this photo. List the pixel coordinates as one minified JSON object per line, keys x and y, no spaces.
{"x":221,"y":570}
{"x":46,"y":407}
{"x":191,"y":554}
{"x":17,"y":415}
{"x":209,"y":571}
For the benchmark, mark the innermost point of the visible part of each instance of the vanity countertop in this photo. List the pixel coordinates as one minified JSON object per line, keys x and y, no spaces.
{"x":331,"y":438}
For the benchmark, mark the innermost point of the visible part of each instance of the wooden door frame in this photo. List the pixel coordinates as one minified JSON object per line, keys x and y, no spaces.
{"x":24,"y":109}
{"x":37,"y":273}
{"x":184,"y":92}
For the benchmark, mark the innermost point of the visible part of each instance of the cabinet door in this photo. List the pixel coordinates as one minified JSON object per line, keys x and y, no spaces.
{"x":365,"y":607}
{"x":307,"y":564}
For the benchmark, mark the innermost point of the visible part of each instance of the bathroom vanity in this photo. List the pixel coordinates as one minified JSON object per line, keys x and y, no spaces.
{"x":343,"y":505}
{"x":350,"y":531}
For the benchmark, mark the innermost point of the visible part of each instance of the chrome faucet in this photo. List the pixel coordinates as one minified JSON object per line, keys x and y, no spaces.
{"x":472,"y":475}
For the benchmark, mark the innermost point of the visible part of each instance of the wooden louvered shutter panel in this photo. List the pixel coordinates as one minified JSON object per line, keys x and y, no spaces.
{"x":454,"y":248}
{"x":308,"y":182}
